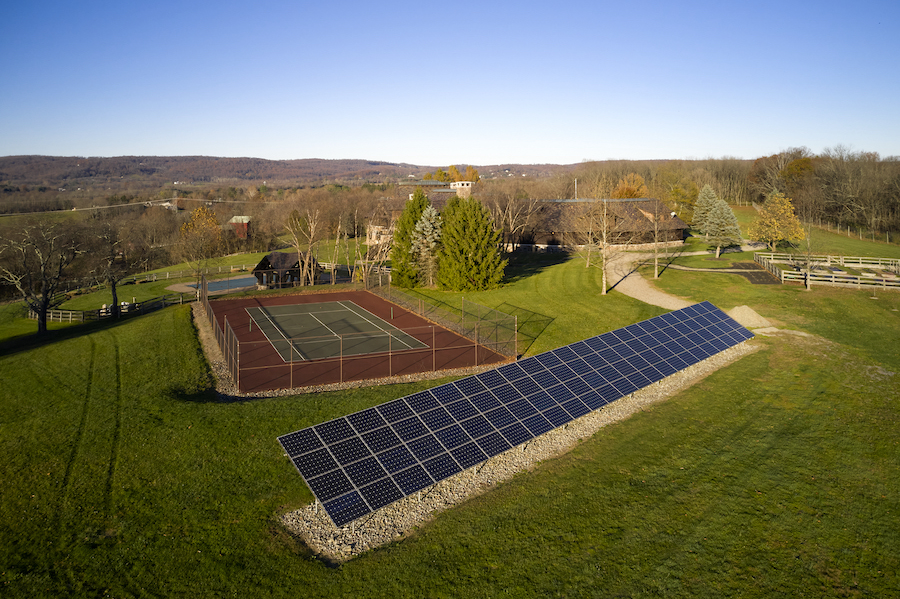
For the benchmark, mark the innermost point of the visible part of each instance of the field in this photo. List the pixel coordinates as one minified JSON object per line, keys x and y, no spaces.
{"x":778,"y":475}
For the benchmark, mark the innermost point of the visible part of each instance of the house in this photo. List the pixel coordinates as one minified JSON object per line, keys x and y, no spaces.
{"x":283,"y":269}
{"x":630,"y":221}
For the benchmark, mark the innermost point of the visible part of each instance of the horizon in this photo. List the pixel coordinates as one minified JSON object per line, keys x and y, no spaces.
{"x":504,"y":84}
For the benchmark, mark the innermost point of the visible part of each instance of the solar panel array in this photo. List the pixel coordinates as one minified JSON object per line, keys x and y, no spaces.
{"x":362,"y":462}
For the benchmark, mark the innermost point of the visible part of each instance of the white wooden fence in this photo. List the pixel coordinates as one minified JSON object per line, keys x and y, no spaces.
{"x":861,"y":271}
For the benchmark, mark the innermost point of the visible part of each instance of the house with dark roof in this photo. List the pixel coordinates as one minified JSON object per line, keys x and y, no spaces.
{"x":282,"y":269}
{"x":630,"y":221}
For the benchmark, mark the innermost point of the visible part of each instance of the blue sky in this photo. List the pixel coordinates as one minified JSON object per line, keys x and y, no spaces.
{"x":449,"y":83}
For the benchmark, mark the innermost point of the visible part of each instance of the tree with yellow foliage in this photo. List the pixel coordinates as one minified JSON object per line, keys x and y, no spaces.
{"x":631,"y":186}
{"x":201,"y":240}
{"x":777,"y":222}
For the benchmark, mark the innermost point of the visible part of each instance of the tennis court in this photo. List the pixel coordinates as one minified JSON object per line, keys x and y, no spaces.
{"x":316,"y":338}
{"x":328,"y":330}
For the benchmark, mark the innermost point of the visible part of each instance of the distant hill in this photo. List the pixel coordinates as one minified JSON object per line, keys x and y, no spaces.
{"x":59,"y":171}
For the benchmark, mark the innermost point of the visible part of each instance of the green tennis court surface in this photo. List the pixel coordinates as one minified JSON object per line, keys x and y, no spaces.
{"x":328,"y":330}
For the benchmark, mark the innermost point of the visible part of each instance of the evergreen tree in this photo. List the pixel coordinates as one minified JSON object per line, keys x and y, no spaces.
{"x":777,"y":222}
{"x":702,"y":207}
{"x":470,"y":257}
{"x":403,"y":266}
{"x":425,"y":245}
{"x":722,"y":227}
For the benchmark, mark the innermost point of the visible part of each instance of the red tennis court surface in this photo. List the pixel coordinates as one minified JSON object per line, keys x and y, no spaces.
{"x":257,"y":366}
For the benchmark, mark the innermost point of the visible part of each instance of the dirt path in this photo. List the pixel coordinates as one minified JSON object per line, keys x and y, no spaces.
{"x":625,"y":279}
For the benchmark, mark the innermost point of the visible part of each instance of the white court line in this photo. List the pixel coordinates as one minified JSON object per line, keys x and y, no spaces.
{"x":291,"y":347}
{"x":376,"y":325}
{"x":325,"y":325}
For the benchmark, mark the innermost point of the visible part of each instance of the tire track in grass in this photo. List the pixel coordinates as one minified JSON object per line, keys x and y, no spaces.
{"x":79,"y":434}
{"x":86,"y":517}
{"x":116,"y":435}
{"x":62,"y":527}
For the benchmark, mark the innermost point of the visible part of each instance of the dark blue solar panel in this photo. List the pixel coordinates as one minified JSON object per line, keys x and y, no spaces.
{"x":400,"y":457}
{"x":580,"y":367}
{"x":330,"y":485}
{"x":537,"y":425}
{"x":346,"y":509}
{"x":512,"y":372}
{"x":542,"y":401}
{"x":452,"y":436}
{"x":563,"y":372}
{"x":366,"y":420}
{"x":548,"y":360}
{"x":395,"y":410}
{"x":516,"y":434}
{"x":334,"y":431}
{"x":500,"y":417}
{"x":365,"y":472}
{"x":493,"y":444}
{"x":441,"y":467}
{"x":484,"y":401}
{"x":468,"y":455}
{"x":349,"y":450}
{"x":410,"y":428}
{"x":521,"y":409}
{"x":506,"y":393}
{"x":526,"y":386}
{"x":565,"y":353}
{"x":462,"y":409}
{"x":593,"y":400}
{"x":381,"y":493}
{"x":582,"y":349}
{"x":425,"y":447}
{"x":300,"y":442}
{"x":437,"y":419}
{"x":531,"y":365}
{"x":430,"y":435}
{"x":560,"y":393}
{"x":477,"y":427}
{"x":546,"y":379}
{"x":446,"y":393}
{"x":412,"y":479}
{"x":576,"y":408}
{"x":422,"y":402}
{"x":469,"y":386}
{"x":596,"y":343}
{"x":557,"y":416}
{"x":491,"y":379}
{"x":313,"y":464}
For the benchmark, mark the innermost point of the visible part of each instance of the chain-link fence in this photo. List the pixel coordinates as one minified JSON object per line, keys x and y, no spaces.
{"x":490,"y":328}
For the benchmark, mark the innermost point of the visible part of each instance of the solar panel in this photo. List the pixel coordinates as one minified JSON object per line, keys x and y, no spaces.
{"x":364,"y":461}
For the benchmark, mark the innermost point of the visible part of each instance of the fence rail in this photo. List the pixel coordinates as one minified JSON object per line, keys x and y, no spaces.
{"x":126,"y":309}
{"x":824,"y":270}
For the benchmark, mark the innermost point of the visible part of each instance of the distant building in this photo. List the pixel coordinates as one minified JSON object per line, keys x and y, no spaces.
{"x":241,"y":226}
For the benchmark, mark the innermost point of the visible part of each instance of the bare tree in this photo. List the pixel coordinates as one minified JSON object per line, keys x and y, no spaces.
{"x":592,"y":226}
{"x":37,"y":259}
{"x":305,"y":230}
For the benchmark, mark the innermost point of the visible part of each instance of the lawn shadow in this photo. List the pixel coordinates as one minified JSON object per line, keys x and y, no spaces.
{"x":526,"y":264}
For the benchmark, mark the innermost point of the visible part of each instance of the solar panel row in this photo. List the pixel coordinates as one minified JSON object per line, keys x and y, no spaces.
{"x":367,"y":460}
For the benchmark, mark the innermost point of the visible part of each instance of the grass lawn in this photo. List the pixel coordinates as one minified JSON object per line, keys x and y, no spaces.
{"x":777,"y":475}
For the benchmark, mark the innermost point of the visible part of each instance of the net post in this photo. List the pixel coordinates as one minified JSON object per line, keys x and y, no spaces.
{"x":433,"y":357}
{"x":341,"y":358}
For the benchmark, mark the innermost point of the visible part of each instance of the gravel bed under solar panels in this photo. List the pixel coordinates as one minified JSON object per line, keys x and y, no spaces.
{"x":367,"y":460}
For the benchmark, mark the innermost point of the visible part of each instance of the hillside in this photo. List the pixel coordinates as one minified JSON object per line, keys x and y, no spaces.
{"x":59,"y":171}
